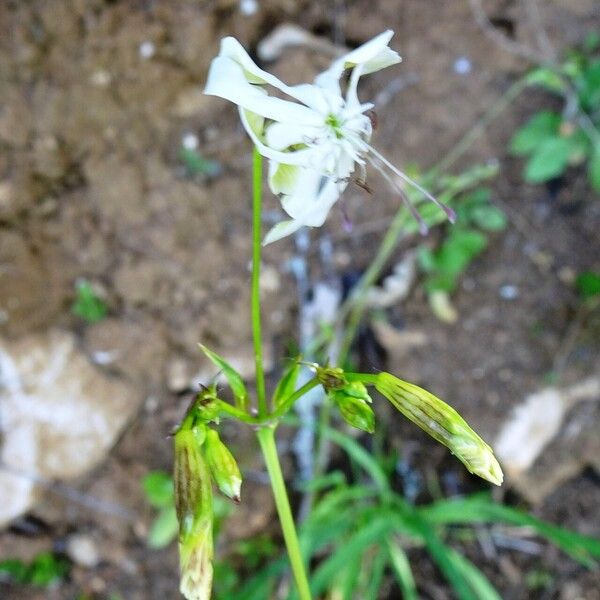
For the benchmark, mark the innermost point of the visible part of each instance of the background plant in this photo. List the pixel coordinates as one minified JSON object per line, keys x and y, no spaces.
{"x":552,"y":141}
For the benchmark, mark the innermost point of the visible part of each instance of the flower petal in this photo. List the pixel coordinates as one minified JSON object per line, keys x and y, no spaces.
{"x":373,"y":55}
{"x":305,"y":93}
{"x":281,"y":230}
{"x":283,"y":178}
{"x":226,"y":79}
{"x":297,"y":157}
{"x":280,"y":136}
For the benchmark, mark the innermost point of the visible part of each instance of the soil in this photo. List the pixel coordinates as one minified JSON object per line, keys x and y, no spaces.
{"x":92,"y":185}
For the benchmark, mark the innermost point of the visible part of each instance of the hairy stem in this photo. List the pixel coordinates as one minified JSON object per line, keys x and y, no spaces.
{"x":266,"y":438}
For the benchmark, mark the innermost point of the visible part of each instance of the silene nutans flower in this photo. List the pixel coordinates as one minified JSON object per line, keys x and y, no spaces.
{"x":222,"y":465}
{"x":194,"y":507}
{"x":442,"y":423}
{"x":316,"y":139}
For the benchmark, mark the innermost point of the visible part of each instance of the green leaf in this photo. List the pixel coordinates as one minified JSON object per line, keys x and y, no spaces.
{"x":426,"y":259}
{"x":539,"y":128}
{"x":164,"y":529}
{"x":459,"y":250}
{"x":233,"y":377}
{"x":402,"y":571}
{"x":88,"y":305}
{"x":197,"y":165}
{"x":594,"y":168}
{"x":158,"y":487}
{"x":287,"y":384}
{"x":361,"y":456}
{"x":480,"y":509}
{"x":371,"y":533}
{"x":46,"y":568}
{"x":489,"y":217}
{"x":13,"y":569}
{"x":549,"y":160}
{"x":588,"y":284}
{"x":589,"y":93}
{"x":548,"y":79}
{"x":480,"y":584}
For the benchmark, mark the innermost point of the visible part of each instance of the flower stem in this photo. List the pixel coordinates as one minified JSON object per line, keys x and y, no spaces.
{"x":266,"y":438}
{"x":266,"y":435}
{"x":256,"y":247}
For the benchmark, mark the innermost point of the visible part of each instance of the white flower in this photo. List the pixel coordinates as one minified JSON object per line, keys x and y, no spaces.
{"x":315,"y":141}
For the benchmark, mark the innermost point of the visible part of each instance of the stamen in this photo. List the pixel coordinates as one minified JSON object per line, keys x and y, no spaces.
{"x":423,"y":229}
{"x":449,"y":212}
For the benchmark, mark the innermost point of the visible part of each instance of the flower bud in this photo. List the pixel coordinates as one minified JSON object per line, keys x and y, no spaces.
{"x":442,"y":423}
{"x":222,"y":466}
{"x":331,"y":378}
{"x":355,"y":410}
{"x":194,"y":506}
{"x":206,"y":404}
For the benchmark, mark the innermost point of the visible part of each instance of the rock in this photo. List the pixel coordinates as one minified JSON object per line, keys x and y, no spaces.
{"x":551,"y":437}
{"x":60,"y":415}
{"x":82,"y":550}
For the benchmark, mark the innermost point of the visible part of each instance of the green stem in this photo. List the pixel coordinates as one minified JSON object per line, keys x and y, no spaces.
{"x":266,"y":438}
{"x":289,"y":402}
{"x":256,"y":247}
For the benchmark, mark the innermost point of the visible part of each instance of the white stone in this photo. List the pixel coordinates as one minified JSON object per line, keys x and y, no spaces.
{"x":60,"y":415}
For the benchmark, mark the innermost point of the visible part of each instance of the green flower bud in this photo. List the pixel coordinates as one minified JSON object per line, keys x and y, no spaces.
{"x":222,"y":466}
{"x":442,"y":423}
{"x":206,"y":404}
{"x":194,"y":506}
{"x":353,"y":403}
{"x":331,"y":378}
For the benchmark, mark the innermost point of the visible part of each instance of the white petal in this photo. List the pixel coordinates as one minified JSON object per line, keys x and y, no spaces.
{"x":280,"y":136}
{"x":305,"y":93}
{"x":372,"y":55}
{"x":313,"y":197}
{"x":281,"y":230}
{"x":226,"y":79}
{"x":283,"y":178}
{"x":297,"y":157}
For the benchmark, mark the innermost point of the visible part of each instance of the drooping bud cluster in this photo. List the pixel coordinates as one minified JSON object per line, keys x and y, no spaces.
{"x":442,"y":423}
{"x":353,"y":402}
{"x":351,"y":398}
{"x":200,"y":458}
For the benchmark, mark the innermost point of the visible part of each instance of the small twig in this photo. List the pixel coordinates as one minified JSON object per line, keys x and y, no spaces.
{"x":503,"y":41}
{"x":543,"y":40}
{"x":568,"y":342}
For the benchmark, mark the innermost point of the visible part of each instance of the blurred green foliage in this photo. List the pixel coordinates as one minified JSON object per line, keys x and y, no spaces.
{"x":476,"y":218}
{"x":588,"y":285}
{"x":553,"y":141}
{"x":359,"y":532}
{"x":44,"y":570}
{"x":87,"y":304}
{"x":196,"y":164}
{"x":158,"y":488}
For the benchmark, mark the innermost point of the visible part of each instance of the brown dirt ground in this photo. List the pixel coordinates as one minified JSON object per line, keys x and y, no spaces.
{"x":91,"y":186}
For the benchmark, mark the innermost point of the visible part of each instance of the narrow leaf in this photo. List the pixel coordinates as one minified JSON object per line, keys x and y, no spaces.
{"x":233,"y":377}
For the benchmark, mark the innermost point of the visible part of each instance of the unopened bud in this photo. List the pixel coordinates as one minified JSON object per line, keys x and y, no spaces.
{"x":353,"y":403}
{"x":222,"y":466}
{"x":206,"y":404}
{"x":331,"y":378}
{"x":442,"y":423}
{"x":194,"y":506}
